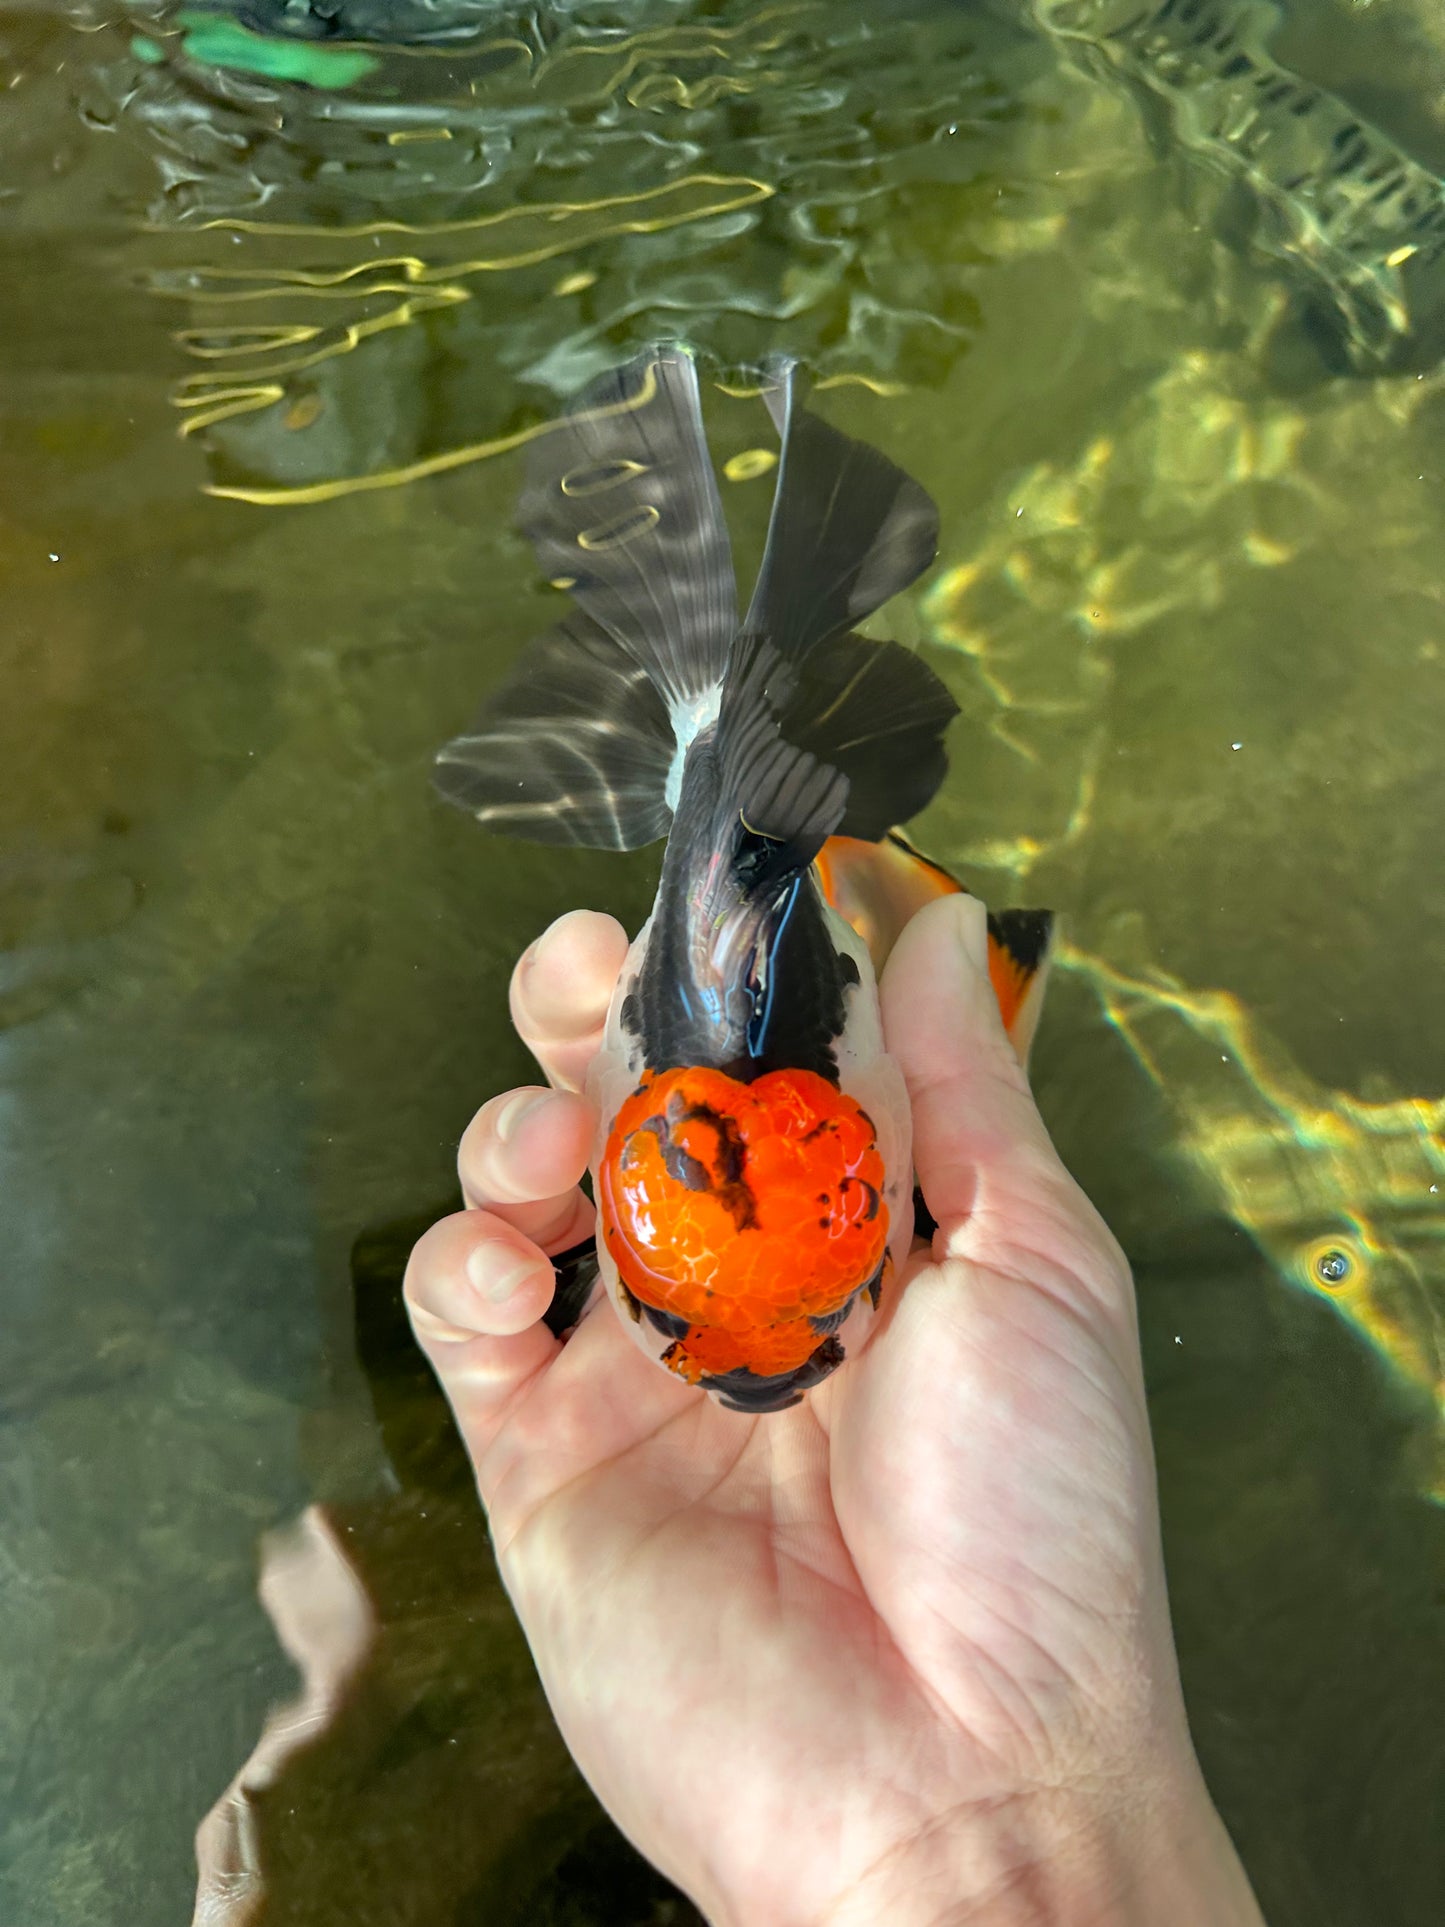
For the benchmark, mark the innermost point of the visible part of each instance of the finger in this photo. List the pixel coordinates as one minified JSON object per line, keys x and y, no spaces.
{"x":989,"y":1171}
{"x":476,"y":1290}
{"x":561,"y":989}
{"x":522,"y":1157}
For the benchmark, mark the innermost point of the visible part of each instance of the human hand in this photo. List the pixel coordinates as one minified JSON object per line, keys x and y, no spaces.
{"x":901,"y":1653}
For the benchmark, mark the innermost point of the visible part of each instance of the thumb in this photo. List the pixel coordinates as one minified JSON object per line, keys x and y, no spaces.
{"x":988,"y":1168}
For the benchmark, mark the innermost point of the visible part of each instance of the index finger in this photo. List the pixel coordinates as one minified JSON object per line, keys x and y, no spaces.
{"x":974,"y":1117}
{"x":990,"y":1173}
{"x":561,"y":989}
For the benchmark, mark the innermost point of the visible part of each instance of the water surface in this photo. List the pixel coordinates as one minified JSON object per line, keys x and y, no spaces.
{"x":267,"y":351}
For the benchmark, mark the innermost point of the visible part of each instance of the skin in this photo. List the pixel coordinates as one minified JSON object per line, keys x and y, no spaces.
{"x":901,"y":1654}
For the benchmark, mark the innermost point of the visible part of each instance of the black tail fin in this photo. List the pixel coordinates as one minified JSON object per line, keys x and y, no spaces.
{"x":849,"y":529}
{"x":786,"y":796}
{"x":579,"y":744}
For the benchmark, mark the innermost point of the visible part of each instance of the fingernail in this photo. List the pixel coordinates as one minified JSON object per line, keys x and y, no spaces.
{"x":499,"y":1277}
{"x":972,"y":927}
{"x":527,"y":961}
{"x":519,"y":1105}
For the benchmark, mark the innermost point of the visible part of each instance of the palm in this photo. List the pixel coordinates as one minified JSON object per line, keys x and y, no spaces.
{"x":922,"y":1567}
{"x":707,"y":1592}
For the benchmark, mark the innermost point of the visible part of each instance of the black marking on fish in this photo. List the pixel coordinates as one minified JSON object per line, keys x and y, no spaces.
{"x":874,"y":1197}
{"x":1023,"y":935}
{"x":576,"y":1273}
{"x":924,"y":1222}
{"x":874,"y":1286}
{"x":745,"y":1391}
{"x":667,"y":1322}
{"x":729,"y":1184}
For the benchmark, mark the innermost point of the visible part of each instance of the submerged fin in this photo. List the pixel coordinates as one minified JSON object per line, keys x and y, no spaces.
{"x":878,"y":887}
{"x":1018,"y":967}
{"x":848,"y":530}
{"x":819,"y":728}
{"x":622,"y":506}
{"x":784,"y":794}
{"x":574,"y":747}
{"x":878,"y":713}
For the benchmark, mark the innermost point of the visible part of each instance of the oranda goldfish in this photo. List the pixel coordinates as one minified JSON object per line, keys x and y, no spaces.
{"x":752,"y":1170}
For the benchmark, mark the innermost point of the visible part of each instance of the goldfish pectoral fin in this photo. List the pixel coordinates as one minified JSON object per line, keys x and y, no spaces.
{"x":879,"y":887}
{"x":878,"y":713}
{"x":944,"y":882}
{"x":1018,"y":965}
{"x":574,"y":747}
{"x":622,"y":506}
{"x":848,"y":530}
{"x":577,"y":1273}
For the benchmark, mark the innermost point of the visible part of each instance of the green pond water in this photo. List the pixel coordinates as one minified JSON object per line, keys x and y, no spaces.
{"x":265,"y":351}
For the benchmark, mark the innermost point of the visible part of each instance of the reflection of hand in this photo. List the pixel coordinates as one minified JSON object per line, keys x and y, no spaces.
{"x":325,"y":1622}
{"x":902,"y":1653}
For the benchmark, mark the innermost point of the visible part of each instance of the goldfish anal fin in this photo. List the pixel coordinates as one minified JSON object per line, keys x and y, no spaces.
{"x":1018,"y":963}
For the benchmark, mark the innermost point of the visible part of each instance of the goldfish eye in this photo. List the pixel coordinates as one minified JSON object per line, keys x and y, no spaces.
{"x":1332,"y":1266}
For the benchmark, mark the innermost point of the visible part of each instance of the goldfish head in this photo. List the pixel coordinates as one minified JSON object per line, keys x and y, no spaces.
{"x":747,"y":1222}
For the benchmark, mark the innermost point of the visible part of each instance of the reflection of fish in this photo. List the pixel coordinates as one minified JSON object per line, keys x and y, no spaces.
{"x":416,"y":23}
{"x":754,"y":1167}
{"x":1347,"y":1198}
{"x":1331,"y":195}
{"x":350,"y":256}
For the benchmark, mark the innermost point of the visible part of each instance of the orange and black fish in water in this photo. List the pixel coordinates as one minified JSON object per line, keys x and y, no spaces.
{"x":753,"y":1170}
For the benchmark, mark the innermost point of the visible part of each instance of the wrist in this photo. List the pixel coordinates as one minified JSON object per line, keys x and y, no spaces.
{"x":1155,"y":1852}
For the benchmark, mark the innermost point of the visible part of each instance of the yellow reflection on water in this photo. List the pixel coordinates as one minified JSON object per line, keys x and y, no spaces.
{"x":409,"y":286}
{"x":382,"y":295}
{"x":1087,"y":562}
{"x":1346,"y":1197}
